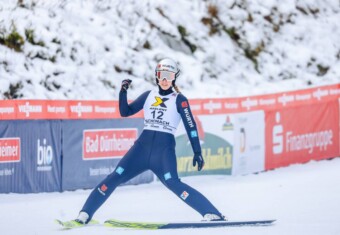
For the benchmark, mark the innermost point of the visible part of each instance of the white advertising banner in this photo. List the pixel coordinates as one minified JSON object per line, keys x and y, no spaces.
{"x":249,"y":143}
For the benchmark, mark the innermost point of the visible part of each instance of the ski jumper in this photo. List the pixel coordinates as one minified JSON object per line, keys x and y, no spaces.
{"x":154,"y":149}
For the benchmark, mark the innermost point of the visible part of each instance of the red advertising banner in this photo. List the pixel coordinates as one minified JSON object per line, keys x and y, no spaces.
{"x":59,"y":109}
{"x":302,"y":133}
{"x":107,"y":143}
{"x":265,"y":102}
{"x":9,"y":150}
{"x":76,"y":109}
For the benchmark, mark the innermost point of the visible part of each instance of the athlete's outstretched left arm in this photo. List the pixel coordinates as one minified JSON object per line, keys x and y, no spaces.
{"x":183,"y":108}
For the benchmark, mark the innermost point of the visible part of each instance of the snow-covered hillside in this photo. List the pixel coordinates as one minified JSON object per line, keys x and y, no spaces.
{"x":82,"y":49}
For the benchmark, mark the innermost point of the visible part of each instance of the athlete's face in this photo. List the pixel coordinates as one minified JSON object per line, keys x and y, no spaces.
{"x":165,"y":84}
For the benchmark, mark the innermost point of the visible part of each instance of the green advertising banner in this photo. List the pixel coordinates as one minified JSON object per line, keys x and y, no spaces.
{"x":216,"y":136}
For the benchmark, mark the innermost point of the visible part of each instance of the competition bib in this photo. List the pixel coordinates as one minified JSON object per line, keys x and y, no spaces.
{"x":160,"y":112}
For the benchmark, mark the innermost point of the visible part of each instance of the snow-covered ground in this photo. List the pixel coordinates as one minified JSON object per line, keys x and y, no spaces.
{"x":303,"y":198}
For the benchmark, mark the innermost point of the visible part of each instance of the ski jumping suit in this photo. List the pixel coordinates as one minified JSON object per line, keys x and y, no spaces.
{"x":154,"y":149}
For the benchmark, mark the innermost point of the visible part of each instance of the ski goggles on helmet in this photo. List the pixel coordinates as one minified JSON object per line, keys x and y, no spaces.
{"x":169,"y":76}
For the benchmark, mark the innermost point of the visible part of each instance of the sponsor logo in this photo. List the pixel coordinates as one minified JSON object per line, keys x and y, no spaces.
{"x":231,"y":105}
{"x":216,"y":151}
{"x":185,"y":104}
{"x":242,"y":140}
{"x":107,"y":143}
{"x":167,"y":176}
{"x":6,"y":110}
{"x":100,"y":109}
{"x":188,"y":118}
{"x":166,"y":66}
{"x":193,"y":134}
{"x":227,"y":125}
{"x":184,"y":195}
{"x":303,"y":97}
{"x":277,"y":135}
{"x":211,"y":106}
{"x":249,"y":103}
{"x":120,"y":170}
{"x":301,"y":141}
{"x":56,"y":109}
{"x":44,"y":156}
{"x":334,"y":91}
{"x":102,"y":189}
{"x":160,"y":102}
{"x":156,"y":122}
{"x":264,"y":102}
{"x":79,"y":109}
{"x":309,"y":141}
{"x":28,"y":108}
{"x":319,"y":93}
{"x":9,"y":150}
{"x":284,"y":99}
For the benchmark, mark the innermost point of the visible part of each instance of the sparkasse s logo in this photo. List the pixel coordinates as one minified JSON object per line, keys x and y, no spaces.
{"x":44,"y":155}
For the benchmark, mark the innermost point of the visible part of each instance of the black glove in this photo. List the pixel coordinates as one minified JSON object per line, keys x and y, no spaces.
{"x":125,"y":84}
{"x":199,"y":160}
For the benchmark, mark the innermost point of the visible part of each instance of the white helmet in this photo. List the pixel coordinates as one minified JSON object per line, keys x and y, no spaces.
{"x":168,"y":65}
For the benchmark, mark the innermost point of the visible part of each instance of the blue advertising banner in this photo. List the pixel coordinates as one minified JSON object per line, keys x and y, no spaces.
{"x":92,"y":149}
{"x":30,"y":156}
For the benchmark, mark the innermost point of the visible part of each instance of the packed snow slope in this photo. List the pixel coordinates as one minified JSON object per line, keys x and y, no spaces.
{"x":82,"y":49}
{"x":304,"y":198}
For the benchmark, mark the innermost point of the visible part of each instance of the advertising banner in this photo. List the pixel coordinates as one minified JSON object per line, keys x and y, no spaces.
{"x":303,"y":133}
{"x":92,"y":149}
{"x":231,"y":144}
{"x":30,"y":156}
{"x":249,"y":143}
{"x":217,"y":140}
{"x":59,"y":109}
{"x":54,"y":145}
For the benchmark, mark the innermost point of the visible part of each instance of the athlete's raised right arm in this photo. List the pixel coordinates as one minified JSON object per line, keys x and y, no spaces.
{"x":125,"y":108}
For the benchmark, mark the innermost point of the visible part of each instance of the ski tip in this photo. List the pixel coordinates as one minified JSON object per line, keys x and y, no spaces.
{"x":74,"y":224}
{"x":58,"y":222}
{"x":62,"y":224}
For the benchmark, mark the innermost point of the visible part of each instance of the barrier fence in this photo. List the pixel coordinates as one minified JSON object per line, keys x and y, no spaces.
{"x":48,"y":146}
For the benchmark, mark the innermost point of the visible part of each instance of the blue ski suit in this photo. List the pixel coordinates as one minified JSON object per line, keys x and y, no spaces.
{"x":154,"y":149}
